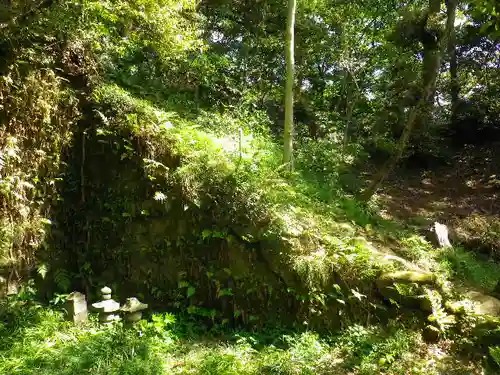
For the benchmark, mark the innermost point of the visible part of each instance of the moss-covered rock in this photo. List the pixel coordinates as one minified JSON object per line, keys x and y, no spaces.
{"x":431,"y":333}
{"x":405,"y":288}
{"x":407,"y":277}
{"x":425,"y":303}
{"x":478,"y":302}
{"x":456,"y":307}
{"x":484,"y":304}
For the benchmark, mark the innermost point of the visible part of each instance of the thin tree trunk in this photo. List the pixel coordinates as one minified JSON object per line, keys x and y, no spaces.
{"x":351,"y":103}
{"x":451,"y":10}
{"x":348,"y":120}
{"x":430,"y":73}
{"x":432,"y":55}
{"x":391,"y":163}
{"x":290,"y":67}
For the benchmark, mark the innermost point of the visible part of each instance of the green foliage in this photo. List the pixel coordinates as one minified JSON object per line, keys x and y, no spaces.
{"x":62,"y":279}
{"x":495,"y":353}
{"x":28,"y":174}
{"x":138,"y":144}
{"x":326,"y":160}
{"x":372,"y":351}
{"x":439,"y":316}
{"x":415,"y":248}
{"x":470,"y":268}
{"x":418,"y":250}
{"x":37,"y":340}
{"x":43,"y":343}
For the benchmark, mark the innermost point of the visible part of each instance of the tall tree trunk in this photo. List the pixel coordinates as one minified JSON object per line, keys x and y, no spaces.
{"x":290,"y":67}
{"x":432,"y":56}
{"x":351,"y":102}
{"x":402,"y":144}
{"x":352,"y":89}
{"x":451,"y":10}
{"x":431,"y":65}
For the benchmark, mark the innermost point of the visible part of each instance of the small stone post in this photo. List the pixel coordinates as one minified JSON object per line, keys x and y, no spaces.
{"x":133,"y":310}
{"x":441,"y":233}
{"x":76,"y":306}
{"x":107,"y":307}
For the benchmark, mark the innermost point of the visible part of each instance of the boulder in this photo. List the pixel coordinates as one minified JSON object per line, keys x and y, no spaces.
{"x":406,"y":277}
{"x":405,"y":288}
{"x":483,"y":303}
{"x":456,"y":307}
{"x":431,"y":333}
{"x":425,"y":304}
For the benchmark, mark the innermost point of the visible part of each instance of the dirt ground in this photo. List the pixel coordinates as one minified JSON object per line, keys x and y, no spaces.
{"x":469,"y":185}
{"x":464,"y":195}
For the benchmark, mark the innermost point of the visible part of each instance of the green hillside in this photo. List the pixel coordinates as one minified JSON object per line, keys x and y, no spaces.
{"x":146,"y":145}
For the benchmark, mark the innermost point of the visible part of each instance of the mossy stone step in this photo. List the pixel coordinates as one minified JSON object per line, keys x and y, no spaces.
{"x":387,"y":285}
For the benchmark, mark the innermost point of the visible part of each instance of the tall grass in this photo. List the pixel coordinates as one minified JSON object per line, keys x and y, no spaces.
{"x":37,"y":340}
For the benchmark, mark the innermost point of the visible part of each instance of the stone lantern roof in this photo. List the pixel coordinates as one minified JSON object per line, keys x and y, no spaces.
{"x":133,"y":305}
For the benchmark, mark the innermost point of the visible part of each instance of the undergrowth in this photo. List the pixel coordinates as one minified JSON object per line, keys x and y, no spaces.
{"x":39,"y":341}
{"x":470,"y":268}
{"x":456,"y":264}
{"x":232,"y":154}
{"x":227,"y":166}
{"x":142,"y":186}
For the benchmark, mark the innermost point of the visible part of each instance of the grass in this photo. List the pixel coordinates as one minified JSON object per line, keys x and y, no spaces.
{"x":39,"y":341}
{"x":470,"y":268}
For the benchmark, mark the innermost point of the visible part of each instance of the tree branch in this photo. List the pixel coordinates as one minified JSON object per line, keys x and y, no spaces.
{"x":21,"y":18}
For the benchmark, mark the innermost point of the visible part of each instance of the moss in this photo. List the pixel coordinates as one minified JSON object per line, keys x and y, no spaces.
{"x":456,"y":307}
{"x":405,"y":288}
{"x":431,"y":333}
{"x":407,"y":277}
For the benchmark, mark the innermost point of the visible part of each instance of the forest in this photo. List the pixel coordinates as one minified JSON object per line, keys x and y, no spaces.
{"x":249,"y":187}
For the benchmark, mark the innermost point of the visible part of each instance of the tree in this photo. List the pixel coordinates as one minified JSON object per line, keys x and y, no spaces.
{"x":290,"y":67}
{"x":451,"y":10}
{"x":432,"y":54}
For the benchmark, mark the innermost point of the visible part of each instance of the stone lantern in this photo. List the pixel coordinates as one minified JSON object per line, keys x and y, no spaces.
{"x":133,"y":310}
{"x":107,"y":308}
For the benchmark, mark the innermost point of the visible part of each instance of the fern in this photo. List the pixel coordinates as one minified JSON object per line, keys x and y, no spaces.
{"x":439,"y":316}
{"x":42,"y":270}
{"x":495,"y":354}
{"x":62,"y":279}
